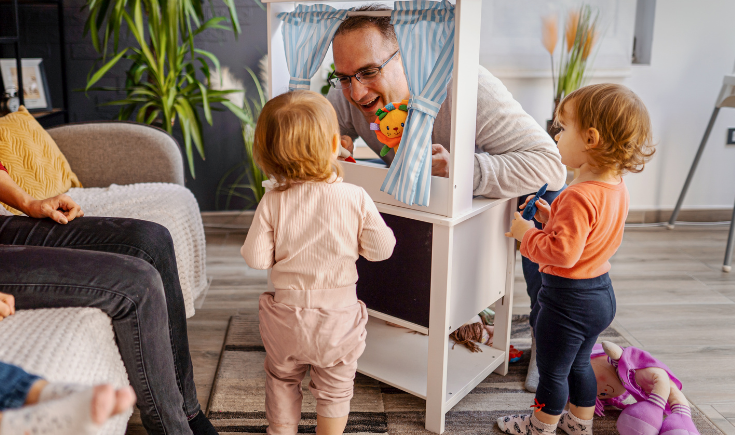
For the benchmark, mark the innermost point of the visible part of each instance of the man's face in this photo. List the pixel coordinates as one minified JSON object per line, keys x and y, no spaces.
{"x":365,"y":48}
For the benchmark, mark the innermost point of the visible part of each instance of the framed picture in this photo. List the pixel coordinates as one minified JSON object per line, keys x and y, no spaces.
{"x":35,"y":87}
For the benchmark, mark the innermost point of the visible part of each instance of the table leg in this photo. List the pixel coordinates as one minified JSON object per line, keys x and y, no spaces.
{"x":504,"y":307}
{"x":439,"y":328}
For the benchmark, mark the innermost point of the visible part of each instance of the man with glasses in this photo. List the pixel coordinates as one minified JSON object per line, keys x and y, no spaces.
{"x":513,"y":154}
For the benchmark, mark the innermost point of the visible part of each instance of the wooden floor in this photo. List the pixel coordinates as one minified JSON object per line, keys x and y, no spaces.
{"x":673,"y":301}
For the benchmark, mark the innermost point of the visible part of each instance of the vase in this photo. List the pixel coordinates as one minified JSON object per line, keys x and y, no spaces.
{"x":550,"y":127}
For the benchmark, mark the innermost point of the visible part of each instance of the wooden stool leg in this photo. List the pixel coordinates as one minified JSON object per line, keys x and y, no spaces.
{"x":726,"y":266}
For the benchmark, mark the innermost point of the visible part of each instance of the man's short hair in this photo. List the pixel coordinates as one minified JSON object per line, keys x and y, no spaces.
{"x":361,"y":22}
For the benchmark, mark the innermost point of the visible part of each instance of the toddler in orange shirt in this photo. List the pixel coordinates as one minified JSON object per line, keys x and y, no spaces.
{"x":606,"y":132}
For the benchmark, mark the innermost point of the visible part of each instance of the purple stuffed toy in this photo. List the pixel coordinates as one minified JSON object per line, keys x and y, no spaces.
{"x":634,"y":372}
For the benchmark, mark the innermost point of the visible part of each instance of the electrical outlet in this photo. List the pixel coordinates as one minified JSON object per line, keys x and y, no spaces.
{"x":730,"y":136}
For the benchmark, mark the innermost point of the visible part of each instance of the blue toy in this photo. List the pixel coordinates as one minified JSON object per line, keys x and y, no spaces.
{"x":530,"y":210}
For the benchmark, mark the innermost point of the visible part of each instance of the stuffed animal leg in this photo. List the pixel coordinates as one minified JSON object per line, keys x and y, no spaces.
{"x":643,"y":418}
{"x":680,"y":421}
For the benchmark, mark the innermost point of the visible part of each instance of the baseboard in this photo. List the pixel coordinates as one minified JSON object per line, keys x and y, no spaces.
{"x":233,"y":221}
{"x":685,"y":215}
{"x":227,"y":221}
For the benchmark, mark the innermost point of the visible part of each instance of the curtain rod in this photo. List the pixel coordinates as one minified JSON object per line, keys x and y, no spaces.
{"x":369,"y":13}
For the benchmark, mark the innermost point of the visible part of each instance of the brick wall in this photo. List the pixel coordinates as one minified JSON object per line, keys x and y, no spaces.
{"x":223,"y":142}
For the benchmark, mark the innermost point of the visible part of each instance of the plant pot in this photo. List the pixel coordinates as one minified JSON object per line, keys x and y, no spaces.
{"x":550,"y":128}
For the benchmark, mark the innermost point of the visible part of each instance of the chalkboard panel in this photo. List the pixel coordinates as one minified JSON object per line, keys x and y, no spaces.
{"x":401,"y":285}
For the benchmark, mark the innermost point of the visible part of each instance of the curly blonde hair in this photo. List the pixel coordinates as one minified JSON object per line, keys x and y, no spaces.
{"x":293,"y":139}
{"x":621,"y":119}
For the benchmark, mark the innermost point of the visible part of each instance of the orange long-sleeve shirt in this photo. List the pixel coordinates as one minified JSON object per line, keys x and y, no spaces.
{"x":585,"y":229}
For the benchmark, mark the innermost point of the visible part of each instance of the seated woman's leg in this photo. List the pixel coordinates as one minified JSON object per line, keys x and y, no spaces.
{"x":130,"y":291}
{"x":141,"y":239}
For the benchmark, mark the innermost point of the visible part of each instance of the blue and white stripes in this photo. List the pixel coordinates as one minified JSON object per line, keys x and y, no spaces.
{"x":425,"y":31}
{"x":307,"y":33}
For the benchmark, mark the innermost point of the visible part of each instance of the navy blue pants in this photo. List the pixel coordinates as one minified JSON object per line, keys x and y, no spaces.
{"x":568,"y":317}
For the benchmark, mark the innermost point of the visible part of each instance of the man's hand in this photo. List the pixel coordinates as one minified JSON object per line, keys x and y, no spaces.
{"x":347,"y":144}
{"x":543,"y":209}
{"x":518,"y":227}
{"x":7,"y":305}
{"x":439,"y":161}
{"x":60,"y":208}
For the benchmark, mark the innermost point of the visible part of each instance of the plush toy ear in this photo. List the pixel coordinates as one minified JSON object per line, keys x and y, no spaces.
{"x":612,"y":350}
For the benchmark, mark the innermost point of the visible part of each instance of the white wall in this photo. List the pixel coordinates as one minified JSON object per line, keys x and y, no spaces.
{"x":693,"y":47}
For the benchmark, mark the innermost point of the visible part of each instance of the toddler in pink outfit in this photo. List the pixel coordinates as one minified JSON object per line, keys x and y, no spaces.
{"x":310,"y":230}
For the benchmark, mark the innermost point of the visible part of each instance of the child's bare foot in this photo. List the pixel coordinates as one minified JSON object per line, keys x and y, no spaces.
{"x":107,"y":402}
{"x":79,"y":413}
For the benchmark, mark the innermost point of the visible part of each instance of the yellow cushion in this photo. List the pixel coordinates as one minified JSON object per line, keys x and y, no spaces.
{"x":32,"y":158}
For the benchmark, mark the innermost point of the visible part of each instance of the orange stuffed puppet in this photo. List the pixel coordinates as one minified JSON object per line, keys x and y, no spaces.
{"x":388,"y":125}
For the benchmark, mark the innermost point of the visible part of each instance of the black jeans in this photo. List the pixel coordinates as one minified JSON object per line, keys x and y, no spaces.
{"x":569,"y":315}
{"x":126,"y":268}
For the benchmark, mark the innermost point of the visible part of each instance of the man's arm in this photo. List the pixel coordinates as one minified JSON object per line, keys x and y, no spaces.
{"x":60,"y":208}
{"x":516,"y":156}
{"x":343,"y":114}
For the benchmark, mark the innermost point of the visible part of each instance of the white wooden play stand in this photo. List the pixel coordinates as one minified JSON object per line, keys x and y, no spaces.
{"x":471,"y":261}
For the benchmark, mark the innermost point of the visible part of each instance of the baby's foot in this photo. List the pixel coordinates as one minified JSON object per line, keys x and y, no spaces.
{"x":80,"y":413}
{"x":58,"y":390}
{"x":573,"y":425}
{"x":525,"y":425}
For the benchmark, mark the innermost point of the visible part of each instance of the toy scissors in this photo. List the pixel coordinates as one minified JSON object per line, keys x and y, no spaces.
{"x":530,"y":210}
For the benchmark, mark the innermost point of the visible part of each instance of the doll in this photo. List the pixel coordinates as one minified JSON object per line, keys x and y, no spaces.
{"x":389,"y":124}
{"x":632,"y":372}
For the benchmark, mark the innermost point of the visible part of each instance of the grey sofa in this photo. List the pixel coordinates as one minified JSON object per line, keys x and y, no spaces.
{"x":128,"y":170}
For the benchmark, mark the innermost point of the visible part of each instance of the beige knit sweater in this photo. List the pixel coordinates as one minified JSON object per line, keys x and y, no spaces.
{"x":311,"y":235}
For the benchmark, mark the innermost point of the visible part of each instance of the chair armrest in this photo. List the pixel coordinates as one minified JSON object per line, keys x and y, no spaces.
{"x":117,"y":152}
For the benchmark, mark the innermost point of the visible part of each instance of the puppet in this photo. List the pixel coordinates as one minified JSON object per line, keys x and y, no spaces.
{"x":389,"y":124}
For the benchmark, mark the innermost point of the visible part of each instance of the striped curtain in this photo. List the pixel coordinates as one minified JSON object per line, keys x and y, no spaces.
{"x":307,"y":33}
{"x":425,"y":31}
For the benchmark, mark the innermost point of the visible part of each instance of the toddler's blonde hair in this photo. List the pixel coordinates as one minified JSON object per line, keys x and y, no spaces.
{"x":622,"y":121}
{"x":293,"y":138}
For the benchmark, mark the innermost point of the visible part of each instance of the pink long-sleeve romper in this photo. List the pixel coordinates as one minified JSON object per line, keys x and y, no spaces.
{"x":311,"y":235}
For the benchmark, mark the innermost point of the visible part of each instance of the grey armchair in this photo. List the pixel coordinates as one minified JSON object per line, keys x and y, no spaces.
{"x":116,"y":152}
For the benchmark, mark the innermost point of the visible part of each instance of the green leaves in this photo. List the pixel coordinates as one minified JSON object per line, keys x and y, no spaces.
{"x":580,"y":38}
{"x":106,"y":18}
{"x":161,"y":85}
{"x":102,"y":71}
{"x":253,"y":190}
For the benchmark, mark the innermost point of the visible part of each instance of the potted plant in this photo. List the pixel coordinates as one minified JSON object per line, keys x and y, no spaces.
{"x":161,"y":83}
{"x":245,"y":179}
{"x":579,"y":38}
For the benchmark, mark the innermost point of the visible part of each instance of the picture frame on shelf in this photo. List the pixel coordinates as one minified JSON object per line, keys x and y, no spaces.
{"x":35,"y":87}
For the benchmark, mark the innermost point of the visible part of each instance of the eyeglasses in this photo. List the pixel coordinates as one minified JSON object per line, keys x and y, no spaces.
{"x":365,"y":76}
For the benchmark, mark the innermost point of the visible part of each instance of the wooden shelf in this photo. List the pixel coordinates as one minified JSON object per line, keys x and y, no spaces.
{"x":33,"y":2}
{"x":399,"y":357}
{"x":39,"y":115}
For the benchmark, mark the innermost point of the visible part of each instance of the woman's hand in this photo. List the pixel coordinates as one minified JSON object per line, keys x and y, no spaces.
{"x":543,"y":209}
{"x":60,"y":208}
{"x":518,"y":227}
{"x":7,"y":305}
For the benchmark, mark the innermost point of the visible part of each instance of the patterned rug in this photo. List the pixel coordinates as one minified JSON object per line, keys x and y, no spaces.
{"x":238,"y":396}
